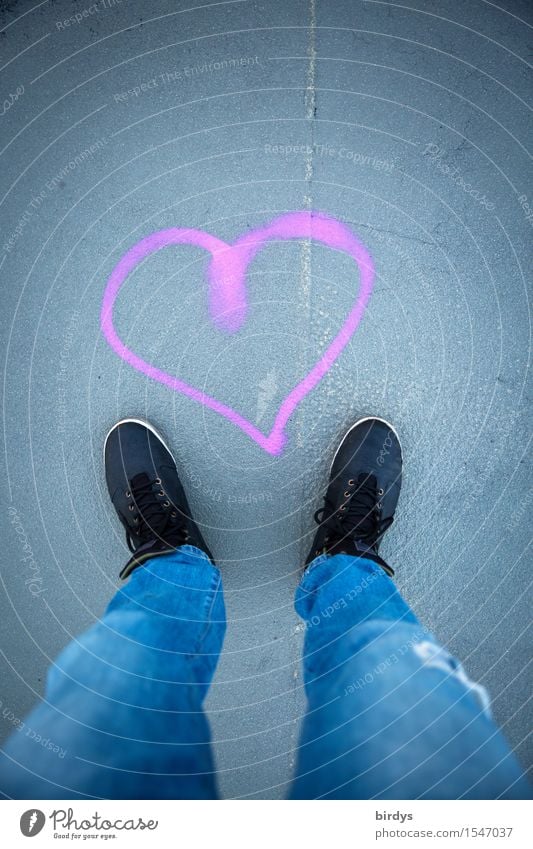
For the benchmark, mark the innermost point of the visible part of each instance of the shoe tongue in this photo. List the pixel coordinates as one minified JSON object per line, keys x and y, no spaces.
{"x":141,"y":479}
{"x":369,"y":481}
{"x":360,"y":513}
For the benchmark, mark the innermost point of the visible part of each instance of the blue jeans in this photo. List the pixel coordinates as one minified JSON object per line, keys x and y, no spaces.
{"x":391,"y":714}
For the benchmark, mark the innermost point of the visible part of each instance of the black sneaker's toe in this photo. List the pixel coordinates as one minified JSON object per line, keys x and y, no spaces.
{"x":134,"y":447}
{"x":370,"y":447}
{"x":362,"y":493}
{"x":146,"y":492}
{"x":139,"y":464}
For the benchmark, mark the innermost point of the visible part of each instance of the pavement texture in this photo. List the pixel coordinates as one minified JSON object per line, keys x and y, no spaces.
{"x":408,"y":123}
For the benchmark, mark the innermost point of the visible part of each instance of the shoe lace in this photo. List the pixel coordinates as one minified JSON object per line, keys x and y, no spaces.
{"x":359,"y":517}
{"x":154,"y":520}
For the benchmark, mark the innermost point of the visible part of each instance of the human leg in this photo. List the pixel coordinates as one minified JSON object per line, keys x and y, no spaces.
{"x":391,"y":713}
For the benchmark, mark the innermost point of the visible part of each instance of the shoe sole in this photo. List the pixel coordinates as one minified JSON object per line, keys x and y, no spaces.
{"x":360,"y":422}
{"x":145,"y":424}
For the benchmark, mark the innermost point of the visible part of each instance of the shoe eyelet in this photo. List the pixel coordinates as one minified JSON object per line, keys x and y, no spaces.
{"x":166,"y":503}
{"x":379,"y":505}
{"x":351,"y":482}
{"x":346,"y":494}
{"x":173,"y":514}
{"x":381,"y":492}
{"x":158,"y":481}
{"x":342,"y":508}
{"x":127,"y":494}
{"x":136,"y":520}
{"x":131,"y":507}
{"x":161,"y":494}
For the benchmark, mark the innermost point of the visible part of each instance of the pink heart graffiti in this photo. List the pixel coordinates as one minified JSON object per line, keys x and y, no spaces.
{"x":228,"y":302}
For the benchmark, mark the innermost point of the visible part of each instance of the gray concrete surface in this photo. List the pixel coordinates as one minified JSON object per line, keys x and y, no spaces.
{"x":414,"y":124}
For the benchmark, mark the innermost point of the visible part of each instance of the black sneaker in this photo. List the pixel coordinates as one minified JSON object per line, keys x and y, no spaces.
{"x":364,"y":487}
{"x":147,"y":494}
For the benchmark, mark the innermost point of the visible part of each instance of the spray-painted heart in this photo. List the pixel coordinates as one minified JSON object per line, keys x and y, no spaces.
{"x":228,"y":302}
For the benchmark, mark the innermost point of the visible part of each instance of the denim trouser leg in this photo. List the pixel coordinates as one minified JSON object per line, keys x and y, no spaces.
{"x":391,"y":714}
{"x":123,"y":703}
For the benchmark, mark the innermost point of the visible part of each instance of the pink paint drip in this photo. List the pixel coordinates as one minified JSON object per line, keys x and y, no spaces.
{"x":228,"y":303}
